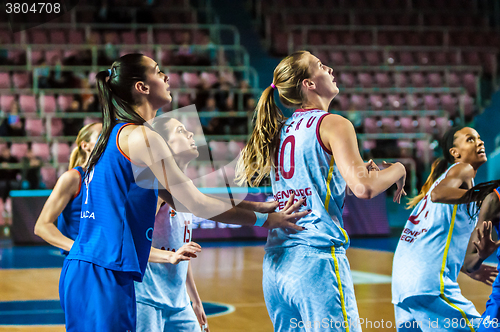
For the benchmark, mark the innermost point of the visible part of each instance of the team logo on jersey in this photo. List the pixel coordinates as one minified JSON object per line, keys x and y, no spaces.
{"x":173,"y":213}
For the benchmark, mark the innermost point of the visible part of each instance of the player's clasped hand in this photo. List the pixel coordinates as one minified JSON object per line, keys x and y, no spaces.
{"x":186,"y":252}
{"x":486,"y":246}
{"x":287,"y":217}
{"x":400,"y":192}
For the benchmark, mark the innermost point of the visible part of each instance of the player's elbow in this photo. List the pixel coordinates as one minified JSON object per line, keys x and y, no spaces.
{"x":363,"y":191}
{"x":436,"y":196}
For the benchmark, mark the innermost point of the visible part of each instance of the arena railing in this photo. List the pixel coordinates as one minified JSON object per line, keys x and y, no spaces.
{"x":241,"y":57}
{"x":375,"y":29}
{"x":214,"y":30}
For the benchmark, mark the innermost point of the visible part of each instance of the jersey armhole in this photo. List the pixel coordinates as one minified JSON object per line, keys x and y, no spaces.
{"x":318,"y":136}
{"x":123,"y":153}
{"x":79,"y":183}
{"x":496,"y":192}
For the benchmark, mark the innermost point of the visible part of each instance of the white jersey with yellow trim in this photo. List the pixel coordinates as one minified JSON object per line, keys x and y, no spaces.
{"x":431,"y":249}
{"x":304,"y":166}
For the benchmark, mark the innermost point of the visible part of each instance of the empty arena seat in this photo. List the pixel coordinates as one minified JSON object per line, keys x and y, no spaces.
{"x":190,"y":79}
{"x":365,"y":79}
{"x":129,"y":38}
{"x":18,"y":150}
{"x":5,"y":81}
{"x":27,"y":104}
{"x":34,"y":127}
{"x":219,"y":150}
{"x":377,"y":102}
{"x":38,"y":37}
{"x":41,"y":150}
{"x":347,"y":80}
{"x":21,"y":80}
{"x":76,"y":37}
{"x":383,"y":80}
{"x":355,"y":58}
{"x":47,"y":103}
{"x":56,"y":127}
{"x":174,"y":80}
{"x":61,"y":152}
{"x":49,"y":176}
{"x":64,"y":102}
{"x":6,"y":102}
{"x":435,"y":80}
{"x":337,"y":58}
{"x":57,"y":37}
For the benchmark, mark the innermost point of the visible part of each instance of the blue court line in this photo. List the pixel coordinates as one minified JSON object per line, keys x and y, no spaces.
{"x":209,"y":190}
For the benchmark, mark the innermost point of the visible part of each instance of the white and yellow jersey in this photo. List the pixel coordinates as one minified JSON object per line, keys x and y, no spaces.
{"x":305,"y":167}
{"x":431,"y":249}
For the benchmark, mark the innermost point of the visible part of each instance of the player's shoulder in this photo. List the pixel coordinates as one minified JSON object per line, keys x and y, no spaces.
{"x":335,"y":120}
{"x":69,"y":180}
{"x":461,"y":170}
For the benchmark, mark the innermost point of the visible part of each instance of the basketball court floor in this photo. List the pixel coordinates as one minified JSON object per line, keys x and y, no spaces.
{"x":228,"y":277}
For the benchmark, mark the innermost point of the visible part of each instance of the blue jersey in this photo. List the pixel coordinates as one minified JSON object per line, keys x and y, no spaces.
{"x":497,"y":228}
{"x":118,"y":214}
{"x":305,"y":166}
{"x":68,"y":221}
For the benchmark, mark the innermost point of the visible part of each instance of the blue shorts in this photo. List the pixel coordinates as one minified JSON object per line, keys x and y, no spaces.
{"x":309,"y":289}
{"x":96,"y":299}
{"x":490,"y":320}
{"x":154,"y":319}
{"x":433,"y":313}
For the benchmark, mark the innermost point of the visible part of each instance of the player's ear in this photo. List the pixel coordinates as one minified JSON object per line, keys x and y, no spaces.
{"x":455,"y":153}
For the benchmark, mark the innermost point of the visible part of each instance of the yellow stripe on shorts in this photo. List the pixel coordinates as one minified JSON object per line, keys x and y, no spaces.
{"x":441,"y":280}
{"x":341,"y":292}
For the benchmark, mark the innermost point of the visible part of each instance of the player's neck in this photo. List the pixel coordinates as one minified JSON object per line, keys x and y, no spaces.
{"x":316,"y":102}
{"x":146,"y":111}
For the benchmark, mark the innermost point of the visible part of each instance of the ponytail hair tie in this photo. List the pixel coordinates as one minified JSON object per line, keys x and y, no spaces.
{"x":273,"y":86}
{"x":109,"y":72}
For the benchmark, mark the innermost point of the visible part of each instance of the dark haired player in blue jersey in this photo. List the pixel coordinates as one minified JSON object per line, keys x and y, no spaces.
{"x":65,"y":202}
{"x":118,"y":209}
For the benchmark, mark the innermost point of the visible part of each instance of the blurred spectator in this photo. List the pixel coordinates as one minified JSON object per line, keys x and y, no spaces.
{"x":13,"y":125}
{"x":184,"y":56}
{"x":31,"y":170}
{"x":103,"y":13}
{"x":4,"y":53}
{"x":202,"y":94}
{"x":42,"y":72}
{"x":245,"y":94}
{"x":57,"y":79}
{"x":206,"y":54}
{"x":210,"y":124}
{"x":234,"y":125}
{"x":110,"y":50}
{"x":250,"y":105}
{"x":73,"y":125}
{"x":223,"y":90}
{"x":8,"y":176}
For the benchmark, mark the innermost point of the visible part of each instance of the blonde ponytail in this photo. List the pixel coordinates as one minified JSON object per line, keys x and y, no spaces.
{"x":78,"y":156}
{"x":257,"y":157}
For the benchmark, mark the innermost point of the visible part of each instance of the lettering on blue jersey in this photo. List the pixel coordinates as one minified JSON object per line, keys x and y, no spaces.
{"x":289,"y":126}
{"x":149,"y":237}
{"x":87,"y":214}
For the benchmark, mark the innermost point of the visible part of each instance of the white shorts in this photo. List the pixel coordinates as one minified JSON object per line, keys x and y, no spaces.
{"x":434,"y":313}
{"x":154,"y":319}
{"x":302,"y":293}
